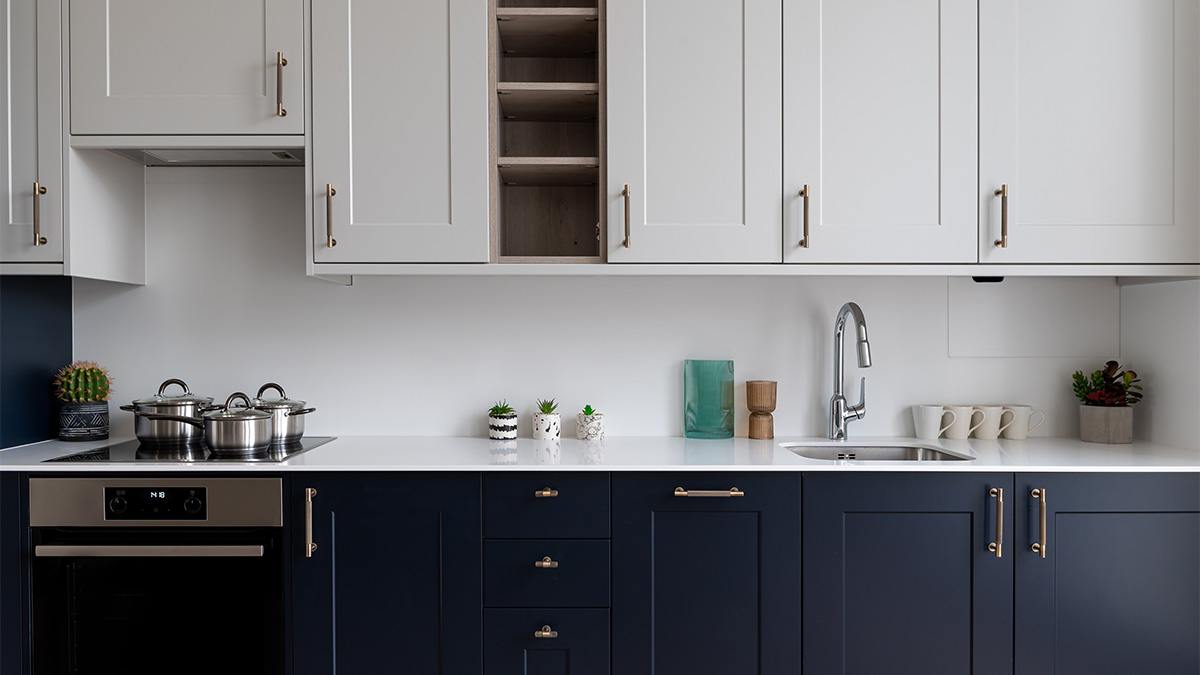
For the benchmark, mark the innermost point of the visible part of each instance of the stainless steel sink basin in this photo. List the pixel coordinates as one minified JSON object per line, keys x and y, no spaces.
{"x":875,"y":453}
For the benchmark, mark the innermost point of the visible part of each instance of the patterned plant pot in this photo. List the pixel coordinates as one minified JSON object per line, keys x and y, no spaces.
{"x":1106,"y":424}
{"x":589,"y":427}
{"x":546,"y":426}
{"x":502,"y":427}
{"x":83,"y":421}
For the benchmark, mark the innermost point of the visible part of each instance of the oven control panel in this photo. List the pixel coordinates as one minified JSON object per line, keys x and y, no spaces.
{"x":155,"y":503}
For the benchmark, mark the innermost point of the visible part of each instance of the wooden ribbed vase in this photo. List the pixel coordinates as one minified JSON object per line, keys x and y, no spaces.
{"x":760,"y":399}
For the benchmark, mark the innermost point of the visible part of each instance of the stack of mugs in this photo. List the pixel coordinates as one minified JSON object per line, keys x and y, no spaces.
{"x":988,"y":422}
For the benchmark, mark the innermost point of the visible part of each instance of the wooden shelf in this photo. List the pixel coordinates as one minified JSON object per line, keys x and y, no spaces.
{"x":549,"y":101}
{"x":548,"y":31}
{"x":522,"y":171}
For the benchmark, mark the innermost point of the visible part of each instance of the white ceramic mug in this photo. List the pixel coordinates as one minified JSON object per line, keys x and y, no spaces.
{"x":928,"y":418}
{"x":1018,"y":428}
{"x":992,"y":425}
{"x":961,"y":427}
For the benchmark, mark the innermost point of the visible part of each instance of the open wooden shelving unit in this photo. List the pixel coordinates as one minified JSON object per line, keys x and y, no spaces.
{"x":547,"y":131}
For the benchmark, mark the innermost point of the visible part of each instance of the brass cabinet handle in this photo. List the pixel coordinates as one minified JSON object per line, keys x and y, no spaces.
{"x":1039,"y":547}
{"x":546,"y":564}
{"x":38,"y":191}
{"x":545,"y":632}
{"x":329,"y":193}
{"x":280,"y":62}
{"x":805,"y":193}
{"x":998,"y":545}
{"x":628,"y":240}
{"x":309,"y":544}
{"x":1002,"y":193}
{"x":731,"y":492}
{"x":546,"y":492}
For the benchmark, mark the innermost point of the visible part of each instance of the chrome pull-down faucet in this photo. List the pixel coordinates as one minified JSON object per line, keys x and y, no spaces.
{"x":839,"y":412}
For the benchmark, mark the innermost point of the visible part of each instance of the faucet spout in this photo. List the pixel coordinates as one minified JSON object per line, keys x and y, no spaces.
{"x":840,"y":413}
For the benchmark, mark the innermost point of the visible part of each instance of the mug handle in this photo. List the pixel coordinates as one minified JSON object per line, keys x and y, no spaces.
{"x":1004,"y":426}
{"x":982,"y":417}
{"x":953,"y":416}
{"x":1037,"y":412}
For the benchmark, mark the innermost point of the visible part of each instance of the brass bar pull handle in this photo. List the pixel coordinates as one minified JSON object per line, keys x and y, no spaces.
{"x":805,"y":193}
{"x":546,"y":564}
{"x":546,"y":492}
{"x":1040,"y":546}
{"x":329,"y":193}
{"x":1002,"y":193}
{"x":731,"y":492}
{"x":280,"y":62}
{"x":38,"y":191}
{"x":309,"y":544}
{"x":545,"y":632}
{"x":628,"y":240}
{"x":998,"y":546}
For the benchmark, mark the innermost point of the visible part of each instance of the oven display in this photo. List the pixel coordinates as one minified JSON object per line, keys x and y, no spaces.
{"x":138,"y":503}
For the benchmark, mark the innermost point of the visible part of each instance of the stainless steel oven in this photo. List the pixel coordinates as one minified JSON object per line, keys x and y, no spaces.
{"x":142,"y":575}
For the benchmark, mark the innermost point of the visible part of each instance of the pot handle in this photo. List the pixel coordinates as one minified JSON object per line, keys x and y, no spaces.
{"x":128,"y":408}
{"x":163,"y":387}
{"x":171,"y":418}
{"x":236,"y":395}
{"x":301,"y":412}
{"x":270,"y":385}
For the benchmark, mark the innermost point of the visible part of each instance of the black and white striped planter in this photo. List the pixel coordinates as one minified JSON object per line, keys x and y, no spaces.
{"x":502,"y":427}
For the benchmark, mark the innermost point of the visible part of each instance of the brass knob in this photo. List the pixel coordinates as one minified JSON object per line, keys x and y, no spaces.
{"x":546,"y":563}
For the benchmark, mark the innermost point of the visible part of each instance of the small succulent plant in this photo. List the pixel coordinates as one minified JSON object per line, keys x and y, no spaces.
{"x":589,"y":410}
{"x":1110,"y":386}
{"x":546,"y":407}
{"x":500,"y":409}
{"x":83,"y":381}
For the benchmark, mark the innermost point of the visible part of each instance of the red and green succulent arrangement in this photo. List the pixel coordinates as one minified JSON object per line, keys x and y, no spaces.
{"x":1109,"y":386}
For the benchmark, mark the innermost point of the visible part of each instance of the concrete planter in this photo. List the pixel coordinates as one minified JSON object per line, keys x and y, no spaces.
{"x":1106,"y":424}
{"x":546,"y":426}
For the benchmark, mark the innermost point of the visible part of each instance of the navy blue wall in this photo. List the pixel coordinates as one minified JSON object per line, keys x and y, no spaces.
{"x":35,"y":341}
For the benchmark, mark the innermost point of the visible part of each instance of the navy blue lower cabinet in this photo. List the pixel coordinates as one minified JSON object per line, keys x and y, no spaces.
{"x":546,"y":641}
{"x":1118,"y":587}
{"x":394,"y":581}
{"x":704,"y":581}
{"x":900,"y":575}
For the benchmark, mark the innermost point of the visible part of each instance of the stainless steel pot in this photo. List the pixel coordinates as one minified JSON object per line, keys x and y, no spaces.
{"x":168,"y":432}
{"x":229,"y":430}
{"x":287,"y":415}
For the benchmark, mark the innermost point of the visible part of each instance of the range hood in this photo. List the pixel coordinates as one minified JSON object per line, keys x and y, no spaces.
{"x":200,"y":150}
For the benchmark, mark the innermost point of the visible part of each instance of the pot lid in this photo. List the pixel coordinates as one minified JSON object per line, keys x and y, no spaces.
{"x":186,"y":397}
{"x":283,"y":402}
{"x":243,"y":413}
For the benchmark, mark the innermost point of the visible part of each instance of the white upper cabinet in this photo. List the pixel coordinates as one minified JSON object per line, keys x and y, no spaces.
{"x":31,"y":133}
{"x":1089,"y":114}
{"x":880,"y":124}
{"x":182,"y":67}
{"x":694,"y":110}
{"x":400,"y":131}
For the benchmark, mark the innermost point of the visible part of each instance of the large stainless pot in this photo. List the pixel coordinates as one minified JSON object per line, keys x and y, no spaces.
{"x":287,"y":415}
{"x":229,"y":430}
{"x":168,"y":432}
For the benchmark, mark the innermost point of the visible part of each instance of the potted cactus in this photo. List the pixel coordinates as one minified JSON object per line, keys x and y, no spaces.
{"x":546,"y":423}
{"x":502,"y":422}
{"x":83,"y":388}
{"x":589,"y":424}
{"x":1106,"y":395}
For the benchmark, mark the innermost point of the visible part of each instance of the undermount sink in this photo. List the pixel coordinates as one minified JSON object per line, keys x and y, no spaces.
{"x":876,"y":453}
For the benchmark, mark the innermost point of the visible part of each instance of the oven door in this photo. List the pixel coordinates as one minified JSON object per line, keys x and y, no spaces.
{"x":151,"y":600}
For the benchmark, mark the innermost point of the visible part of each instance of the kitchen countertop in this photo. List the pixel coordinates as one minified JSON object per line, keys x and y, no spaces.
{"x":395,"y":453}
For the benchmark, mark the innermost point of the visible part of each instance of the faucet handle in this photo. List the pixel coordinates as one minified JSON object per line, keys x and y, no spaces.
{"x":860,"y":410}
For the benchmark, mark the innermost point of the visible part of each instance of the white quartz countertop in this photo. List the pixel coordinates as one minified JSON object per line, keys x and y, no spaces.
{"x":389,"y":453}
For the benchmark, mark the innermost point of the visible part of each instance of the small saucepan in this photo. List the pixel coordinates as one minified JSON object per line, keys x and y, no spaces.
{"x":229,"y":430}
{"x":287,"y":416}
{"x":168,"y":432}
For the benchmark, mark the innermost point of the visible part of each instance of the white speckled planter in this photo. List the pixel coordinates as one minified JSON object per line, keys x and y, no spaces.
{"x":589,"y":427}
{"x":545,"y":426}
{"x":1106,"y":424}
{"x":502,"y":427}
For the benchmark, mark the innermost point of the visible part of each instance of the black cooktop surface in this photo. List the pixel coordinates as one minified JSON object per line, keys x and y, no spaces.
{"x":136,"y":451}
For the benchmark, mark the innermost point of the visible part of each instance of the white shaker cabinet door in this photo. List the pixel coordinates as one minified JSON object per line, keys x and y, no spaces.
{"x":694,"y":112}
{"x":400,"y":131}
{"x":183,"y":67}
{"x":881,"y":125}
{"x":31,"y":133}
{"x":1089,"y":114}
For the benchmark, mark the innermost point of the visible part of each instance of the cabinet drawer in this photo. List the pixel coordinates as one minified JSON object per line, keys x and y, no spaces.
{"x":576,"y":576}
{"x":578,"y":509}
{"x":580,"y":647}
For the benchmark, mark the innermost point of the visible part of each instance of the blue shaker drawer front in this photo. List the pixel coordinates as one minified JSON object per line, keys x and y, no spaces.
{"x":545,"y":642}
{"x":546,"y":573}
{"x":545,"y":505}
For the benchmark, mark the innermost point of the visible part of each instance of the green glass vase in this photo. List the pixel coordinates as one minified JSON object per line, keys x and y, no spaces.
{"x":708,"y":399}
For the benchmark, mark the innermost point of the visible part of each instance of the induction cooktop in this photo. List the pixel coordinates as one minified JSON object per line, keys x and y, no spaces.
{"x":136,"y":451}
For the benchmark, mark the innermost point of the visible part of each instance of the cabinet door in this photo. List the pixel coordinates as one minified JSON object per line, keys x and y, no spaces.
{"x":1088,"y":114}
{"x":898,"y":575}
{"x":184,"y":67}
{"x":881,"y":125}
{"x":694,"y":129}
{"x":13,"y":629}
{"x":31,"y":133}
{"x":1118,"y":590}
{"x":400,"y":131}
{"x":706,"y":584}
{"x":546,"y":642}
{"x":394,"y":581}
